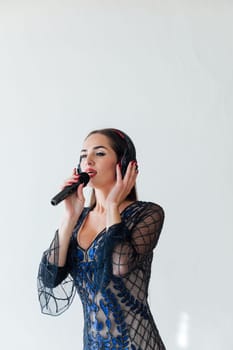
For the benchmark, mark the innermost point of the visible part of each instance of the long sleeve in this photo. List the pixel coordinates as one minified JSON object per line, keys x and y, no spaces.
{"x":55,"y":284}
{"x":130,"y":244}
{"x":138,"y":238}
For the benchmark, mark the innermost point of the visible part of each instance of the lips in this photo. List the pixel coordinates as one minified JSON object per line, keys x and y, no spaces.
{"x":91,"y":172}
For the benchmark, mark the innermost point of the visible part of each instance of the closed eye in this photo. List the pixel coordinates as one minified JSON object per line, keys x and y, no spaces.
{"x":100,"y":154}
{"x":82,"y":157}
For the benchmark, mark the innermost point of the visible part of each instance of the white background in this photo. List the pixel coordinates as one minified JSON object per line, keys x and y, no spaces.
{"x":162,"y":72}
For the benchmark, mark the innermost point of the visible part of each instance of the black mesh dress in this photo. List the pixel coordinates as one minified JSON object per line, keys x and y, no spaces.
{"x":111,"y":278}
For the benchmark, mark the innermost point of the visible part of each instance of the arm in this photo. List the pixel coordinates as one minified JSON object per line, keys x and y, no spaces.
{"x":119,"y":193}
{"x":136,"y":238}
{"x":55,"y":285}
{"x":51,"y":274}
{"x":57,"y":253}
{"x":54,"y":266}
{"x":56,"y":256}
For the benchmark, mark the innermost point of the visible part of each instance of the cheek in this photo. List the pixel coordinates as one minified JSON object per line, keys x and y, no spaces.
{"x":110,"y":169}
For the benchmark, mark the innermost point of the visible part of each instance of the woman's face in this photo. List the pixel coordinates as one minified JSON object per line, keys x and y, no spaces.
{"x":98,"y":159}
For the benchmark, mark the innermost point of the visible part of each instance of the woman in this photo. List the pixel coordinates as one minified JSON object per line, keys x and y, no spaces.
{"x":105,"y":251}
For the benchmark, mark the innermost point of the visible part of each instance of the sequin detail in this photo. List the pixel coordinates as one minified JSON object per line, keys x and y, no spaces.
{"x":111,"y":278}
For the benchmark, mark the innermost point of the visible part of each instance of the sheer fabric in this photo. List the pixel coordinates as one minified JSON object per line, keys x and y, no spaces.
{"x":111,"y":278}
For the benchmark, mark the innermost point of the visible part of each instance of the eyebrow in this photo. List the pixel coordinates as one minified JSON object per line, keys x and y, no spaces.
{"x":96,"y":147}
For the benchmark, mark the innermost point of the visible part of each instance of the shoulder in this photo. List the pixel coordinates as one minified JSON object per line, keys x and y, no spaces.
{"x":150,"y":222}
{"x":141,"y":210}
{"x":150,"y":207}
{"x":153,"y":212}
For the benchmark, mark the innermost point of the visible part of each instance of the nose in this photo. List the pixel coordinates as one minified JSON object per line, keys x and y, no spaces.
{"x":89,"y":160}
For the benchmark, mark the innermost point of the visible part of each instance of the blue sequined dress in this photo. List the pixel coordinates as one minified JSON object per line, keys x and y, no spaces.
{"x":111,"y":278}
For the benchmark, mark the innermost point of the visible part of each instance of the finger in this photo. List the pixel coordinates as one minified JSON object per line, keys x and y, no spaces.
{"x":80,"y":192}
{"x":75,"y":177}
{"x":132,"y":174}
{"x":130,"y":170}
{"x":135,"y":171}
{"x":118,"y":172}
{"x":134,"y":167}
{"x":66,"y":183}
{"x":132,"y":181}
{"x":70,"y":181}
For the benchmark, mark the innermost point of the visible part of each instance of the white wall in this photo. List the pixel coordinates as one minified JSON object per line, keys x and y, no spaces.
{"x":161,"y":71}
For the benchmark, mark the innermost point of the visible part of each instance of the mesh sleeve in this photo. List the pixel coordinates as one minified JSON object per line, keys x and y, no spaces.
{"x":55,"y":284}
{"x":138,"y":238}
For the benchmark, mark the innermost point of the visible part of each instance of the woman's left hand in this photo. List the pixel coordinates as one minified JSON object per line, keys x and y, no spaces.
{"x":123,"y":186}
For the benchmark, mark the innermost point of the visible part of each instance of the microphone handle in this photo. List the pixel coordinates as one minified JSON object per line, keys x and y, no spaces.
{"x":68,"y":190}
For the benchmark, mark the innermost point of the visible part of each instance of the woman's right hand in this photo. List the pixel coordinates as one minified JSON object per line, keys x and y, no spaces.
{"x":74,"y":203}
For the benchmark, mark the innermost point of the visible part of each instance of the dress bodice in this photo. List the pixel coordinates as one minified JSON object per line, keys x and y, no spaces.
{"x":112,"y":278}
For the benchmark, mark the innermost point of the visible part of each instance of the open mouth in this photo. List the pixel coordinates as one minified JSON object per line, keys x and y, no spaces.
{"x":91,"y":173}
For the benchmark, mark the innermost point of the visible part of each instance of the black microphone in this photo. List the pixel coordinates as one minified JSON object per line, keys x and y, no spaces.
{"x":68,"y":190}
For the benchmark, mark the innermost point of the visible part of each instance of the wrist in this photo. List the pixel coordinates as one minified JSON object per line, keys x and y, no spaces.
{"x":113,"y":215}
{"x":111,"y":207}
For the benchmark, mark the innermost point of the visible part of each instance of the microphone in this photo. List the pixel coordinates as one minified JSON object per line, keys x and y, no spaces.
{"x":68,"y":190}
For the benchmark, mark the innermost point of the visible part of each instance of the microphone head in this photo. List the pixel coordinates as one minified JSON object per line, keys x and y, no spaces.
{"x":84,"y":178}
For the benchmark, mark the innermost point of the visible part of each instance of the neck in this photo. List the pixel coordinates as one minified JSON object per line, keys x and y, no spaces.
{"x":101,"y":197}
{"x":101,"y":202}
